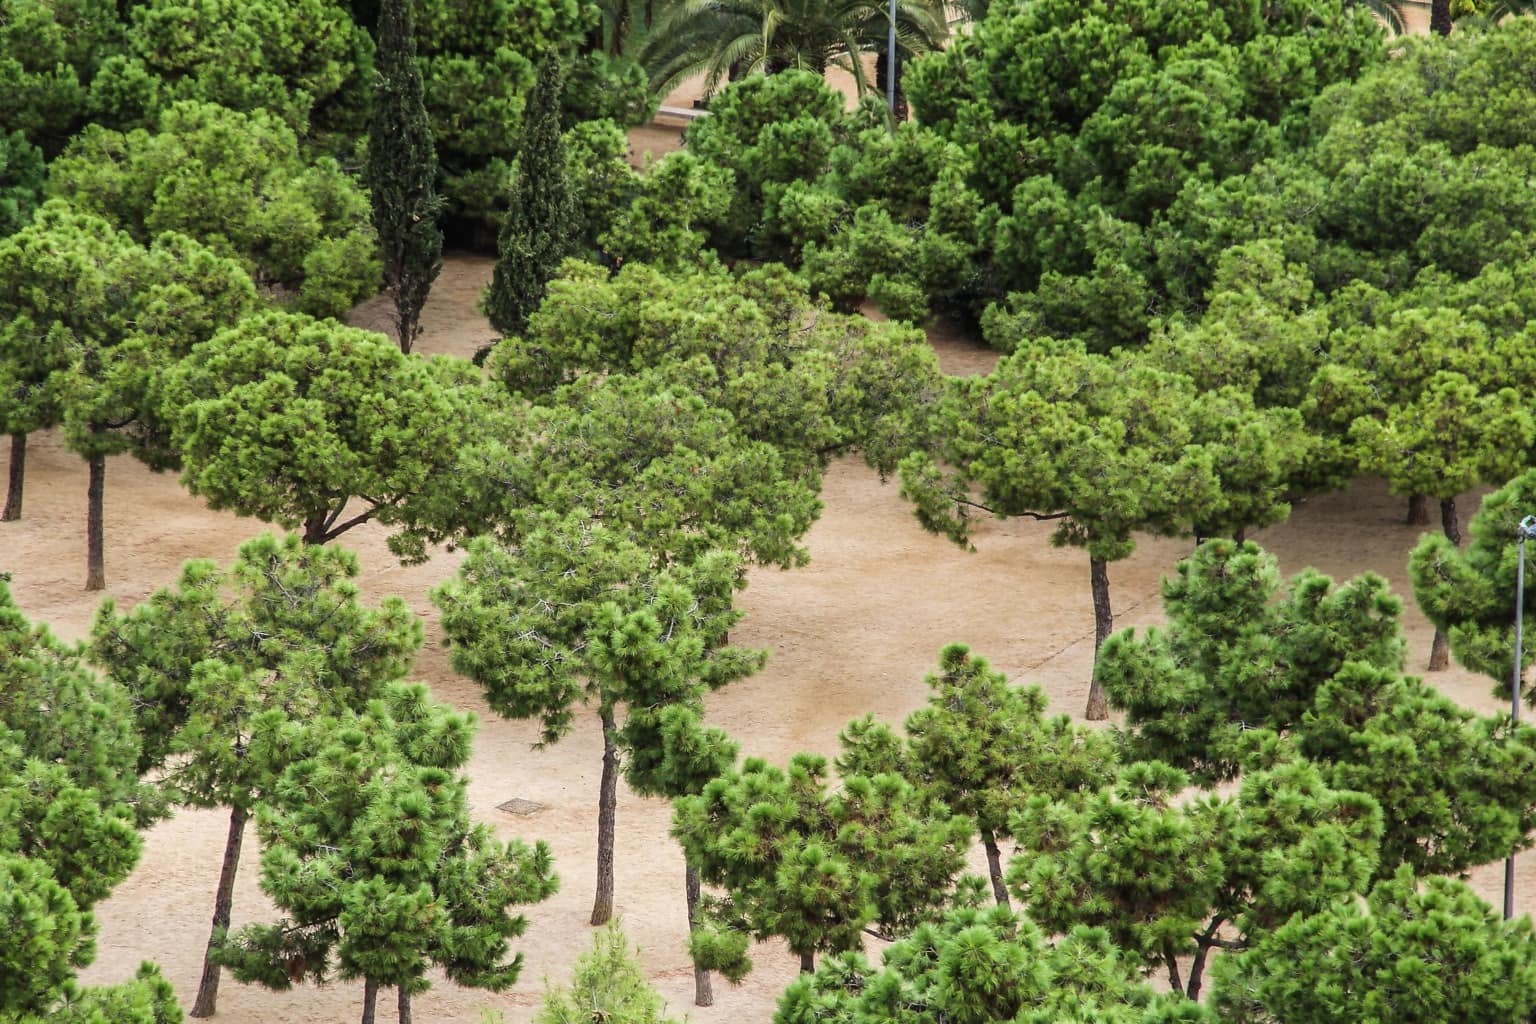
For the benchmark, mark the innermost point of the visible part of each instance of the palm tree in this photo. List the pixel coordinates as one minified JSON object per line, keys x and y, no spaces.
{"x":729,"y":38}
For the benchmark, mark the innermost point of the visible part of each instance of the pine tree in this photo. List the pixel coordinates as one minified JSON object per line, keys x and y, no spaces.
{"x":224,"y":666}
{"x":539,"y":231}
{"x":370,"y":851}
{"x":608,"y":985}
{"x":579,"y":614}
{"x":982,"y":747}
{"x":1419,"y":951}
{"x":813,"y":863}
{"x":402,"y":170}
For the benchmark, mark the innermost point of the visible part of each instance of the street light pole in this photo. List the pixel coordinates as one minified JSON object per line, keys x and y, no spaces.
{"x":1524,"y":532}
{"x":890,"y":63}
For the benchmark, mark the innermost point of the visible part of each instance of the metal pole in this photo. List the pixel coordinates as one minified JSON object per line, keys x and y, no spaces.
{"x":1527,"y":529}
{"x":890,"y":64}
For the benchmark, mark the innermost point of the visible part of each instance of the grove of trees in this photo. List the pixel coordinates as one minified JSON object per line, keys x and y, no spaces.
{"x":1233,"y":255}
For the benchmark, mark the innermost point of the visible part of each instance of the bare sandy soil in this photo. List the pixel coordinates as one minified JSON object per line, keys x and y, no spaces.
{"x":853,"y":632}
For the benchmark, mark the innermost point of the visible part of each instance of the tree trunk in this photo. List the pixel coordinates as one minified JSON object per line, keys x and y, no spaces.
{"x":18,"y":474}
{"x":405,"y":1005}
{"x":314,"y":530}
{"x":995,"y":867}
{"x":703,"y":991}
{"x":1450,"y":522}
{"x":95,"y":561}
{"x":1241,"y":535}
{"x":1173,"y":969}
{"x":807,"y":963}
{"x":1103,"y":625}
{"x":224,"y":898}
{"x":607,"y":802}
{"x":1418,"y":511}
{"x":1197,"y":969}
{"x":1440,"y":17}
{"x":370,"y":999}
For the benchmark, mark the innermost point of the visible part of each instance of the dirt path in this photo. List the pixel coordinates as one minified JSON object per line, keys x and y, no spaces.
{"x":853,"y":632}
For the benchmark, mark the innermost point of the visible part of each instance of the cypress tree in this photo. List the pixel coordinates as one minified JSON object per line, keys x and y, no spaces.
{"x":539,"y":231}
{"x":402,"y":166}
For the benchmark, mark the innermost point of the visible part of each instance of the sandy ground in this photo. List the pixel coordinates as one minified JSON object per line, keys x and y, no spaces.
{"x":853,"y":632}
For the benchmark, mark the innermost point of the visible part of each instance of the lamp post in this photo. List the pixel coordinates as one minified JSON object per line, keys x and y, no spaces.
{"x":890,"y":63}
{"x":1525,"y":531}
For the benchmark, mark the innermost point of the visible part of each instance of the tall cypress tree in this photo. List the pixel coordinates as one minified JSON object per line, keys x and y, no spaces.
{"x":540,"y":229}
{"x":402,"y":166}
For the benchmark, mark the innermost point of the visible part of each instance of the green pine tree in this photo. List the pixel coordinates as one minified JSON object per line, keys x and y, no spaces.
{"x":223,"y":666}
{"x":402,"y":169}
{"x":540,"y":229}
{"x":370,"y":851}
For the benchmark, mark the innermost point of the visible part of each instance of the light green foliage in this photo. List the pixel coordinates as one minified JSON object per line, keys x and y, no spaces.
{"x":1471,"y":594}
{"x":1164,"y":877}
{"x":49,"y":52}
{"x":279,"y":635}
{"x":237,"y":183}
{"x":807,"y":382}
{"x":542,"y":223}
{"x":979,"y":966}
{"x":1242,"y":660}
{"x":1418,"y":952}
{"x":603,"y":185}
{"x":60,"y":713}
{"x":147,"y":999}
{"x":578,"y":615}
{"x":228,"y":667}
{"x":370,"y":852}
{"x":478,"y":64}
{"x":402,"y":168}
{"x":92,"y":319}
{"x":607,"y":982}
{"x":769,"y":131}
{"x":304,"y":61}
{"x":69,"y":802}
{"x":982,"y":747}
{"x":21,"y":181}
{"x":290,"y":419}
{"x":665,"y":223}
{"x":1429,"y":397}
{"x":814,"y":864}
{"x":1109,"y":447}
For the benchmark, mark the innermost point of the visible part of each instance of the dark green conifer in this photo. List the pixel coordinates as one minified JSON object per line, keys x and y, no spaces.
{"x":402,"y":166}
{"x":539,"y":231}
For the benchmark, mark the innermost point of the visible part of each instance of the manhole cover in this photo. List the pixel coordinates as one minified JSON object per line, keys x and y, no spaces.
{"x":517,"y":805}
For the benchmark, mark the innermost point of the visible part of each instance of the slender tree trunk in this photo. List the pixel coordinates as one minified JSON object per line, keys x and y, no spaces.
{"x":1440,"y":17}
{"x":703,"y":991}
{"x":95,"y":560}
{"x":607,"y":803}
{"x":224,"y":898}
{"x":18,"y":475}
{"x":1450,"y":522}
{"x":1197,"y":969}
{"x":1418,"y":511}
{"x":405,"y":1005}
{"x":1103,"y":625}
{"x":1241,"y":534}
{"x":370,"y":999}
{"x":1173,"y":969}
{"x":995,"y":867}
{"x":807,"y":963}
